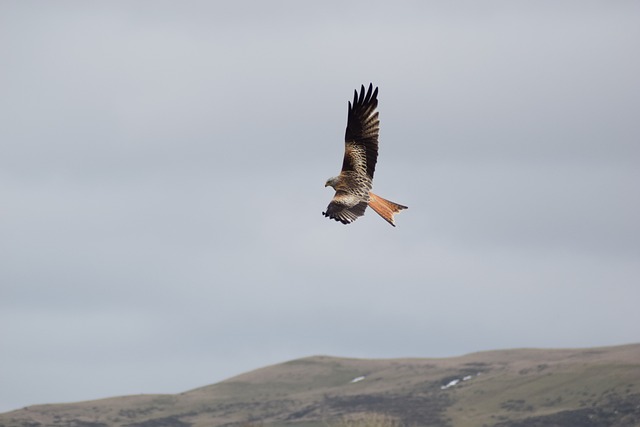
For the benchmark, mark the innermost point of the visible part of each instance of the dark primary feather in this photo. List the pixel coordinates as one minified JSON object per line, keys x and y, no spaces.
{"x":361,"y":136}
{"x":344,"y":213}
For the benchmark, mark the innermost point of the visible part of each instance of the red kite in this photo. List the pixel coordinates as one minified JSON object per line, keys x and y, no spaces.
{"x":353,"y":185}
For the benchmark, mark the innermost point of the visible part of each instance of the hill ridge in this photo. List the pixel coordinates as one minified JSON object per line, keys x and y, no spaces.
{"x":513,"y":387}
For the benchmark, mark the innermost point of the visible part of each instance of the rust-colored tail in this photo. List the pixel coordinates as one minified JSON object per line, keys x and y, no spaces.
{"x":384,"y":208}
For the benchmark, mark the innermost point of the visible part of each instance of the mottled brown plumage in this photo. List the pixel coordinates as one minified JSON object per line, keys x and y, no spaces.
{"x":353,"y":185}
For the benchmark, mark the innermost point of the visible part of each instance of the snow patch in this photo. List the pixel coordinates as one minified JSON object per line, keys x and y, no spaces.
{"x":451,"y":384}
{"x":357,"y":379}
{"x":455,"y":382}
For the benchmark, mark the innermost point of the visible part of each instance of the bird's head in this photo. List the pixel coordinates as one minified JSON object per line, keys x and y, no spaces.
{"x":331,"y":182}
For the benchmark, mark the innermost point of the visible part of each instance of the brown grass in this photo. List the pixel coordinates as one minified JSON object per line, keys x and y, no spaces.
{"x":500,"y":385}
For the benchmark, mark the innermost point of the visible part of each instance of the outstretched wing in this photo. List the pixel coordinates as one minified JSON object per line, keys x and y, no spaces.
{"x":361,"y":136}
{"x":345,"y":208}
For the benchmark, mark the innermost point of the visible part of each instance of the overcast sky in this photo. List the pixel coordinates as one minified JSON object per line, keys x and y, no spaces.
{"x":162,"y":169}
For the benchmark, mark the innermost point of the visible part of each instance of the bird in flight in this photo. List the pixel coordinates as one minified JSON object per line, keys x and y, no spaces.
{"x":353,"y":185}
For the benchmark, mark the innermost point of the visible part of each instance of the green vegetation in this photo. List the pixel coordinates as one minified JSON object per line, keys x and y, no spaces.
{"x":370,"y":419}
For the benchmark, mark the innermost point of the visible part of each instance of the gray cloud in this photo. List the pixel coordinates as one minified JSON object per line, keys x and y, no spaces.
{"x":162,"y":169}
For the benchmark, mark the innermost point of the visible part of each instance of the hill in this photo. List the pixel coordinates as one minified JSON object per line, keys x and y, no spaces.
{"x":510,"y":388}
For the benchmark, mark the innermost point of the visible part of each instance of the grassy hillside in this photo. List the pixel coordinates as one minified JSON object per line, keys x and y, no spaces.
{"x":517,"y":388}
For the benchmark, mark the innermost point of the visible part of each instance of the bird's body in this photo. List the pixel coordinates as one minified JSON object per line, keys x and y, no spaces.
{"x":353,"y":185}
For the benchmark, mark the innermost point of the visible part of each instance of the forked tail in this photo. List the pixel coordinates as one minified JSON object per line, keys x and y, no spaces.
{"x":384,"y":208}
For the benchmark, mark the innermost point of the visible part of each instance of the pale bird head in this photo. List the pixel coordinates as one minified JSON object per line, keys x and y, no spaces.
{"x":331,"y":182}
